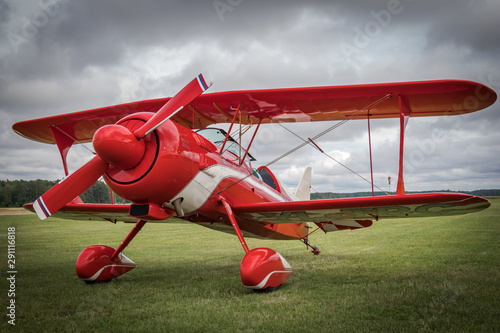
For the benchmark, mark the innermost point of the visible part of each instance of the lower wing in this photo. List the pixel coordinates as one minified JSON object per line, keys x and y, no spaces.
{"x":98,"y":212}
{"x":353,"y":213}
{"x":330,"y":215}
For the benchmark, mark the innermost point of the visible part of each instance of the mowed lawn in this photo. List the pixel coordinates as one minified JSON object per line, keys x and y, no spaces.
{"x":411,"y":275}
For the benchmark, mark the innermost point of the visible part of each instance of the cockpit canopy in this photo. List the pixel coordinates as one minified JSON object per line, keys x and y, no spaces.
{"x":217,"y":137}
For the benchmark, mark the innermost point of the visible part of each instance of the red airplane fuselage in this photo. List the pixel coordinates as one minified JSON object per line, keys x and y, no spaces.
{"x":180,"y":164}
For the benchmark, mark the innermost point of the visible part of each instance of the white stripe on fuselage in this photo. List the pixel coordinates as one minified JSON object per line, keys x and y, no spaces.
{"x":202,"y":186}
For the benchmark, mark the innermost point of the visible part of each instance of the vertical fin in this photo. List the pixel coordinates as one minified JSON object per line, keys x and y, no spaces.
{"x":303,"y":191}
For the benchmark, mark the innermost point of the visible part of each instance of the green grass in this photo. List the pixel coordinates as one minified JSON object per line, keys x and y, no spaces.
{"x":414,"y":275}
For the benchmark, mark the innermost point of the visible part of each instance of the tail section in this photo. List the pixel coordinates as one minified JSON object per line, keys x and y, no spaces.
{"x":303,"y":192}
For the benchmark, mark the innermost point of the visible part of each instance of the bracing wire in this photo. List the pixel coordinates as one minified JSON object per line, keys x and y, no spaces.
{"x":312,"y":144}
{"x":72,"y":138}
{"x":305,"y":143}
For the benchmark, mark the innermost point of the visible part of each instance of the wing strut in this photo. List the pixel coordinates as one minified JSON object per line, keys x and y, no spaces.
{"x":237,"y":111}
{"x":404,"y":116}
{"x":370,"y":146}
{"x":251,"y":141}
{"x":64,"y":143}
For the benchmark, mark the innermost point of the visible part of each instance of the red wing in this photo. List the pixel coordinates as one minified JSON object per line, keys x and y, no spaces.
{"x":358,"y":212}
{"x":424,"y":98}
{"x":99,"y":212}
{"x":95,"y":212}
{"x":82,"y":125}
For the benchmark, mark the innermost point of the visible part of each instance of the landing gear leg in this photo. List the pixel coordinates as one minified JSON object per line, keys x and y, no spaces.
{"x":100,"y":263}
{"x":262,"y":269}
{"x":138,"y":226}
{"x":314,"y":249}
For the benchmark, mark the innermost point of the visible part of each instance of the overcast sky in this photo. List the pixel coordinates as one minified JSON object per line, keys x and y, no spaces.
{"x":59,"y":56}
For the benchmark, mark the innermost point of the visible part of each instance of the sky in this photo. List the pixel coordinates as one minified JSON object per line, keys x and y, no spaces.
{"x":60,"y":56}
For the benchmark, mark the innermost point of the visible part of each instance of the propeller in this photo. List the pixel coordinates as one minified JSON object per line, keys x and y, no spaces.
{"x":192,"y":90}
{"x":117,"y":145}
{"x":70,"y":187}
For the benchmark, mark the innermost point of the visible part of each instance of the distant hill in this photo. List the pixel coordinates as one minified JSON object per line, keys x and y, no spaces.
{"x":331,"y":195}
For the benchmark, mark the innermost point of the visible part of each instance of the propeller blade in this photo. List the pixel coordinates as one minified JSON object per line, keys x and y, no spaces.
{"x":187,"y":94}
{"x":70,"y":187}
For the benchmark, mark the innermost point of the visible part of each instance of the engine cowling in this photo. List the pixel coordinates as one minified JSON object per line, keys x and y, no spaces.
{"x":166,"y":166}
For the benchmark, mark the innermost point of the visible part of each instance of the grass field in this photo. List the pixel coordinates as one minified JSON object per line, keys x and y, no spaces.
{"x":413,"y":275}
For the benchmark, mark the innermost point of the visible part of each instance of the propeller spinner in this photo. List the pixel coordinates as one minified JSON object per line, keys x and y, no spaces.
{"x":117,"y":145}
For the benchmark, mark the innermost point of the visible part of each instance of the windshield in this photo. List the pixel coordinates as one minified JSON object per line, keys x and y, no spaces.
{"x":217,"y":137}
{"x":214,"y":135}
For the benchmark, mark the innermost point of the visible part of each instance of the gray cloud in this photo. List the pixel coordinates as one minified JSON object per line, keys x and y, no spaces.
{"x":4,"y":12}
{"x":62,"y":56}
{"x":473,"y":25}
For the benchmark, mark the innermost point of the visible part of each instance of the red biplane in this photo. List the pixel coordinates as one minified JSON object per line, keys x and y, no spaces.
{"x":167,"y":159}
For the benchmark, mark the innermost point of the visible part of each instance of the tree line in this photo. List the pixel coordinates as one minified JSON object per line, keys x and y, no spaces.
{"x":331,"y":195}
{"x":16,"y":193}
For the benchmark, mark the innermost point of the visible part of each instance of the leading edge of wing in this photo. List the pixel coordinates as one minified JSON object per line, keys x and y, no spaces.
{"x":371,"y":208}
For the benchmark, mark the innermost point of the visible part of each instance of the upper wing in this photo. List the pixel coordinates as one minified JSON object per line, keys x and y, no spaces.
{"x":424,"y":98}
{"x":359,"y":212}
{"x":82,"y":125}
